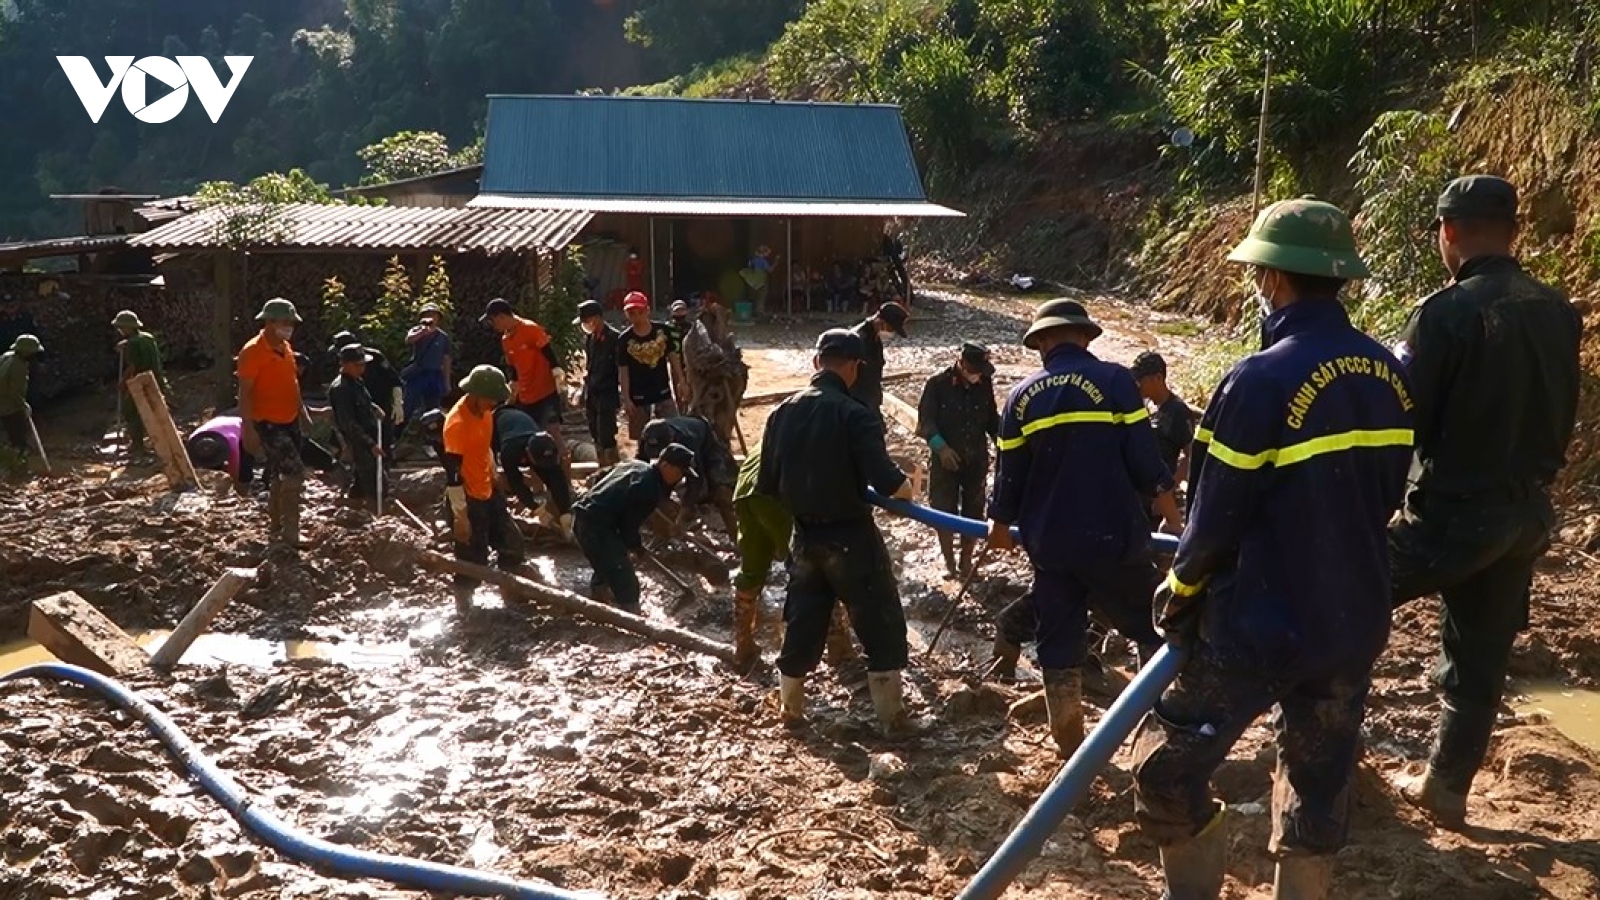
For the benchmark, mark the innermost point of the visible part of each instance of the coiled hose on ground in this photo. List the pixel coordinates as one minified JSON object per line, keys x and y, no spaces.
{"x":276,"y":833}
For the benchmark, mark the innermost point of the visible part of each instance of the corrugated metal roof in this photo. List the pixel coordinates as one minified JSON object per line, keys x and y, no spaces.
{"x":659,"y":148}
{"x":455,"y":229}
{"x":67,"y":246}
{"x":676,"y":207}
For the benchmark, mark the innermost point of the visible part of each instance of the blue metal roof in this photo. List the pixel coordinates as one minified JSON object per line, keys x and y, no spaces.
{"x":667,"y":147}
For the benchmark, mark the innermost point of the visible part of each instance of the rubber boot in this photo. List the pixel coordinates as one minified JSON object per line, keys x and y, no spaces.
{"x":1063,"y":699}
{"x":792,"y":699}
{"x":746,"y":605}
{"x":966,"y":555}
{"x":1005,"y":656}
{"x":1303,"y":878}
{"x":1194,"y":868}
{"x":888,"y":700}
{"x":841,"y":649}
{"x":1459,"y":747}
{"x":947,"y":547}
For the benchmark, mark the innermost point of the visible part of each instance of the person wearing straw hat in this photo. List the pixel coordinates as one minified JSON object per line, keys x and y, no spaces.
{"x":1280,"y":586}
{"x":479,"y":517}
{"x":270,"y":409}
{"x":137,"y":352}
{"x":16,"y":416}
{"x":356,"y":419}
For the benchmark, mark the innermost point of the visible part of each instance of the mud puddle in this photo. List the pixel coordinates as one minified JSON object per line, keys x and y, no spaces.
{"x":1573,"y":712}
{"x":233,"y":649}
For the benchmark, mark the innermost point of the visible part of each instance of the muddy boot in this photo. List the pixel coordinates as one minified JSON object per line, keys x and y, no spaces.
{"x":1005,"y":656}
{"x":841,"y":649}
{"x":966,"y":556}
{"x":1194,"y":868}
{"x":1303,"y":878}
{"x":792,"y":699}
{"x":947,"y":548}
{"x":1063,"y":699}
{"x":745,"y":652}
{"x":888,"y":700}
{"x":1459,"y":748}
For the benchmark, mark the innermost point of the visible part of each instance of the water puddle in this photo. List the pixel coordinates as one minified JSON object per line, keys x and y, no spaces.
{"x":1574,"y":712}
{"x":233,"y":649}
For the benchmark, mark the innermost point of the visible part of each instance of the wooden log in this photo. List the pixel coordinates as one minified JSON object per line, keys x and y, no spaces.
{"x":567,"y":601}
{"x":195,"y":623}
{"x":780,"y":396}
{"x":169,"y":447}
{"x":78,"y":634}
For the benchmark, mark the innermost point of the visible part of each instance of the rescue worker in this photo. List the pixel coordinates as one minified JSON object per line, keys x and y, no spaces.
{"x":888,"y":323}
{"x":532,"y":357}
{"x":1169,"y":415}
{"x":137,"y":353}
{"x":426,"y":380}
{"x":1494,"y":363}
{"x":15,"y":413}
{"x":608,"y":518}
{"x":1077,"y":467}
{"x":270,"y":408}
{"x":959,"y":419}
{"x":355,"y":417}
{"x":1280,"y":585}
{"x":645,"y":366}
{"x":602,"y":393}
{"x":718,"y":473}
{"x":383,"y":384}
{"x":679,"y":324}
{"x":822,"y":450}
{"x":518,"y":442}
{"x":478,"y":514}
{"x":716,"y":372}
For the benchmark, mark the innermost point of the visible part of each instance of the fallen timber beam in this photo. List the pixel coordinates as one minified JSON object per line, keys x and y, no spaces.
{"x":567,"y":601}
{"x":780,"y":396}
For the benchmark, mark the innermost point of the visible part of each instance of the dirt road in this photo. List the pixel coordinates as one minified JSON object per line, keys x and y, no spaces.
{"x":544,"y":747}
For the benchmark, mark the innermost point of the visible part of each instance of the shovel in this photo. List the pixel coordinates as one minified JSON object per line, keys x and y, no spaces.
{"x":983,"y":556}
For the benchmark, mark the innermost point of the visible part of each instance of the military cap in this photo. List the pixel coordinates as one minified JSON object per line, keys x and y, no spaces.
{"x":430,"y":310}
{"x":354,"y":353}
{"x":895,"y":315}
{"x":679,"y":456}
{"x":1148,"y":363}
{"x":654,"y":438}
{"x":976,"y":356}
{"x":499,"y":306}
{"x":1056,"y":314}
{"x":487,"y":382}
{"x":541,"y":449}
{"x":278,"y":310}
{"x":26,"y":345}
{"x":588,"y":309}
{"x":840,"y":343}
{"x":1477,"y":197}
{"x":127,"y":319}
{"x":1305,"y":236}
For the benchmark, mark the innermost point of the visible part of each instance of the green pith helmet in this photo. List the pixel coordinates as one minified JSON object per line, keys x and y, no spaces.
{"x":278,"y":310}
{"x":127,"y":319}
{"x":487,"y":382}
{"x":1305,"y":236}
{"x":26,"y":345}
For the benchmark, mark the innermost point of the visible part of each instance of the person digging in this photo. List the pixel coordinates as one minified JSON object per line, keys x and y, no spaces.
{"x":519,"y":442}
{"x":16,"y":416}
{"x":479,"y":516}
{"x":607,"y":520}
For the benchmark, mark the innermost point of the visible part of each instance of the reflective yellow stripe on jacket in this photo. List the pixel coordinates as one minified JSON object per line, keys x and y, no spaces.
{"x":1297,"y":453}
{"x":1073,"y":418}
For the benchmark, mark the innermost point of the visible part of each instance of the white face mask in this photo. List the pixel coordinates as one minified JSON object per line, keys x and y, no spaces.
{"x":1263,"y":302}
{"x":888,"y":337}
{"x":284,"y":331}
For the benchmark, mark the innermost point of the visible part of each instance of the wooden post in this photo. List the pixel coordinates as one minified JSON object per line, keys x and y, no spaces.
{"x":78,"y":634}
{"x":163,"y":433}
{"x":567,"y":601}
{"x":222,"y":324}
{"x":194,"y":624}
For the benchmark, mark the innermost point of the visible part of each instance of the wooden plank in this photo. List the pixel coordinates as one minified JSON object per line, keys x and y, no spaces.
{"x":567,"y":601}
{"x":780,"y":396}
{"x":194,"y":624}
{"x":163,"y":433}
{"x":78,"y":634}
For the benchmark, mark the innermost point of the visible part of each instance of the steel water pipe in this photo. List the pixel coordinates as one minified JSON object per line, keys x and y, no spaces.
{"x":277,"y":834}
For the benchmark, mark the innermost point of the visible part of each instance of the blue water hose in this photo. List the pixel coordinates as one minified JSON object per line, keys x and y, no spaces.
{"x":277,"y":834}
{"x":1163,"y":543}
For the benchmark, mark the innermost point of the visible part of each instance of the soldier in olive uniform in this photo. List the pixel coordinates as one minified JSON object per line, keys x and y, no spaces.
{"x":1494,"y":363}
{"x":138,"y":353}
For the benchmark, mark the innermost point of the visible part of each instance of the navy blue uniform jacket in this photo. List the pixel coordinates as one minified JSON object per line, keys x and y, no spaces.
{"x":1298,"y":464}
{"x":1077,"y":454}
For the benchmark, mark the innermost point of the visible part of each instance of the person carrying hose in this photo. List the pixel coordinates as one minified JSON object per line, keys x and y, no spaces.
{"x":1280,"y":585}
{"x":1078,"y":464}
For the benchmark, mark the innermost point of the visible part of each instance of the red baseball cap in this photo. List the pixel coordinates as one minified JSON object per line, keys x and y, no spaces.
{"x":635,"y":300}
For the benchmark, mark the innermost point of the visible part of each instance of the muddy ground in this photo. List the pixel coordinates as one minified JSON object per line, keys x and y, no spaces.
{"x":543,"y":747}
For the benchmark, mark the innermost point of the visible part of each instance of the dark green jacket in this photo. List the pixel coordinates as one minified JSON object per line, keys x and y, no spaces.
{"x":1493,"y":361}
{"x":353,"y":414}
{"x":13,"y":384}
{"x":623,"y":500}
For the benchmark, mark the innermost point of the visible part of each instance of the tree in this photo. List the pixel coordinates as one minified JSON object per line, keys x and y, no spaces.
{"x":690,"y":33}
{"x":252,"y":213}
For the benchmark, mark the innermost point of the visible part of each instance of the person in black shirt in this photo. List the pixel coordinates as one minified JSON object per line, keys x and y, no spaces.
{"x":888,"y":323}
{"x":601,"y":390}
{"x":645,"y":364}
{"x":518,"y":442}
{"x":1173,"y":422}
{"x":820,"y":452}
{"x":959,"y":419}
{"x":383,"y":384}
{"x":715,"y":459}
{"x":609,"y":517}
{"x":1494,"y":367}
{"x":356,"y":419}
